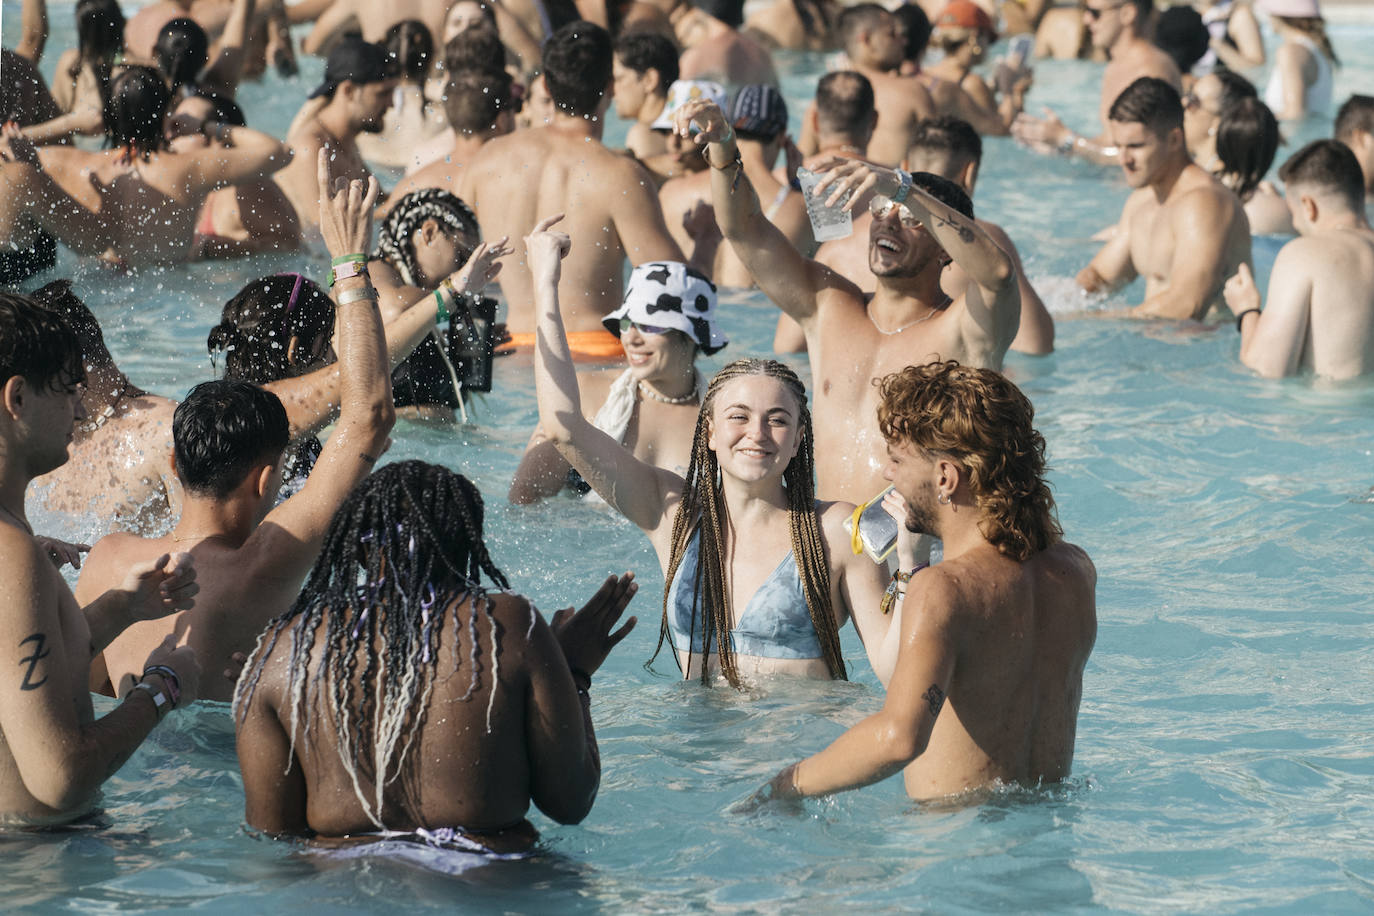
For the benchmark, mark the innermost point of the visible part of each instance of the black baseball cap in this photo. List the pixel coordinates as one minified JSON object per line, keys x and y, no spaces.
{"x":355,"y":61}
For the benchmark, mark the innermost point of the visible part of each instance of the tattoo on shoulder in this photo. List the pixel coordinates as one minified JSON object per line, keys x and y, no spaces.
{"x":39,"y":653}
{"x":935,"y":699}
{"x":965,"y":233}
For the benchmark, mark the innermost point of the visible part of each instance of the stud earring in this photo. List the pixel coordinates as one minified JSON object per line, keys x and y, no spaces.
{"x":942,"y":499}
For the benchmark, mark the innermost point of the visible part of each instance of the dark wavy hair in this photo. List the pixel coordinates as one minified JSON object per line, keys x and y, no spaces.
{"x":135,"y":111}
{"x":1247,"y":140}
{"x":222,"y":430}
{"x":99,"y":40}
{"x":981,"y":420}
{"x":577,"y":67}
{"x":256,"y":327}
{"x":37,"y":344}
{"x":182,"y":50}
{"x":411,"y":48}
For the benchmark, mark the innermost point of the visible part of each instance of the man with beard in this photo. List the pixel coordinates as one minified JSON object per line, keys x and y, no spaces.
{"x":920,"y":223}
{"x":999,"y":631}
{"x":357,"y":87}
{"x":1182,"y":229}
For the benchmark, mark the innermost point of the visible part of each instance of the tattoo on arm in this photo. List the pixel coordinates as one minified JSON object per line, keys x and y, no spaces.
{"x":935,"y":699}
{"x":39,"y":653}
{"x":965,"y":233}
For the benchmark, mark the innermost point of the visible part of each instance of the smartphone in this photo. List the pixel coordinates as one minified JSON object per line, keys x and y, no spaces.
{"x":877,"y":533}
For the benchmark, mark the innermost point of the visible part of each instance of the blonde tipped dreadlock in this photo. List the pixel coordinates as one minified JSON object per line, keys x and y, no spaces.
{"x":405,"y":545}
{"x":702,"y":509}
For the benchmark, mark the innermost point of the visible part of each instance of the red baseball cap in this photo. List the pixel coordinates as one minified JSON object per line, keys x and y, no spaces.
{"x":965,"y":14}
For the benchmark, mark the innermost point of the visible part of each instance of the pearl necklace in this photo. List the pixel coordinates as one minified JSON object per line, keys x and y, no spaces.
{"x":648,"y":391}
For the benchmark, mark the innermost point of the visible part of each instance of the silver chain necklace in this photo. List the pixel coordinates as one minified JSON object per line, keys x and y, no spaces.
{"x":909,"y":324}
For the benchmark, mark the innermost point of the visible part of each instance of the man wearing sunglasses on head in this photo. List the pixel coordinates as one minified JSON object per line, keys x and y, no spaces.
{"x":1122,"y":29}
{"x":921,"y":222}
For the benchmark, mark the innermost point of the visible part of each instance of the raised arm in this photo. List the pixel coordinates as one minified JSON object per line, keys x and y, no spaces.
{"x":311,"y":400}
{"x":788,"y":279}
{"x":1272,"y":341}
{"x":33,"y":30}
{"x":243,"y":154}
{"x":330,"y":24}
{"x":637,"y":490}
{"x":22,"y":178}
{"x":227,"y":67}
{"x":366,"y":412}
{"x":1243,"y":29}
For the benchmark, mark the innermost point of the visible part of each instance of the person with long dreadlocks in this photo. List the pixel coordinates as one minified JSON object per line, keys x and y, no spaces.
{"x":228,"y":440}
{"x":742,"y":521}
{"x":401,"y":699}
{"x":424,"y":237}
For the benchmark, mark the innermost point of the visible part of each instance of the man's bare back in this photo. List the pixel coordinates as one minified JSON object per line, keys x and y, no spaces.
{"x":1022,"y":633}
{"x":901,"y":102}
{"x":608,"y":200}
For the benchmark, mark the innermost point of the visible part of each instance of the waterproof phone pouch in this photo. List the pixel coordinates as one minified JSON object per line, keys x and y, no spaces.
{"x":872,"y":530}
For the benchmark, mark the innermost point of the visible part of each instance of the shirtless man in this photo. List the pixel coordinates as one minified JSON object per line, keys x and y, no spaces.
{"x":1355,"y":128}
{"x":54,"y":754}
{"x":991,"y":642}
{"x":852,"y":339}
{"x":145,"y":196}
{"x":1181,"y":229}
{"x":874,"y":46}
{"x":229,"y":438}
{"x":563,"y":168}
{"x":479,"y":108}
{"x":715,"y":49}
{"x":357,"y":88}
{"x":489,"y":739}
{"x":1122,"y":29}
{"x":759,"y":119}
{"x":951,"y":149}
{"x":1320,"y":313}
{"x":645,"y":66}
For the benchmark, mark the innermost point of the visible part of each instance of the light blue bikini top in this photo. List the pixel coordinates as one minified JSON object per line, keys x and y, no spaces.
{"x":775,"y":623}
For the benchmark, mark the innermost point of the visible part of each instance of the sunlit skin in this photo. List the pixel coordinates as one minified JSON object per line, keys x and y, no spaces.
{"x":664,"y":361}
{"x":754,"y":429}
{"x":1145,"y":155}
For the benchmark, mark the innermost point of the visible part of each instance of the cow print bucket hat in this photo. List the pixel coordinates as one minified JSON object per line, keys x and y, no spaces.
{"x":671,"y":295}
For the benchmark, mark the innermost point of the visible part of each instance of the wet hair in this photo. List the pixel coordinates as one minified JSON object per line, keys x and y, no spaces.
{"x":477,"y":49}
{"x":1330,"y":166}
{"x":982,"y":421}
{"x":1234,"y":87}
{"x":857,"y":19}
{"x":1247,"y":139}
{"x":701,"y":510}
{"x":222,"y":430}
{"x":99,"y":40}
{"x":1151,"y":102}
{"x":1314,"y":27}
{"x":403,"y":547}
{"x":1181,"y":34}
{"x":844,"y":104}
{"x":256,"y":326}
{"x":642,"y":50}
{"x":945,"y":191}
{"x":951,"y":136}
{"x":917,"y":29}
{"x":577,"y":67}
{"x":730,"y":12}
{"x":135,"y":111}
{"x":1356,"y":113}
{"x":473,"y":101}
{"x":58,"y":298}
{"x":411,"y":48}
{"x":396,"y":235}
{"x":37,"y":344}
{"x":222,"y":108}
{"x":182,"y":51}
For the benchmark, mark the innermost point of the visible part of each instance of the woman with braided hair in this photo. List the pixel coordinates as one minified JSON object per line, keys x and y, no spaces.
{"x":402,"y":699}
{"x":742,"y":521}
{"x":425,"y":236}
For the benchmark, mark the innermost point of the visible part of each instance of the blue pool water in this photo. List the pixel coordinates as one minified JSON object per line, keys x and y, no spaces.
{"x":1224,"y":748}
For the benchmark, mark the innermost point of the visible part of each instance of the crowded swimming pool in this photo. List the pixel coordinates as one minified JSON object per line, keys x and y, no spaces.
{"x":1222,"y":752}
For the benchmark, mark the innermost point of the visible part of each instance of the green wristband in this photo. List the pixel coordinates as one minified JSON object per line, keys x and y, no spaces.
{"x":348,"y":258}
{"x":441,"y":313}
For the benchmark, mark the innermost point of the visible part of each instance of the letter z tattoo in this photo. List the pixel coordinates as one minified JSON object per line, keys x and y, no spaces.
{"x":935,"y":698}
{"x":39,"y":653}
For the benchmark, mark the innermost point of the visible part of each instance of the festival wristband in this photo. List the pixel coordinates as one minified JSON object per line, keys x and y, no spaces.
{"x":441,"y":307}
{"x":357,"y":294}
{"x":169,"y":679}
{"x":1240,"y":319}
{"x":345,"y":258}
{"x":347,"y":270}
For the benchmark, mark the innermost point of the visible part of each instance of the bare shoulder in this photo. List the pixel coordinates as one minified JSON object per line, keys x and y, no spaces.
{"x":1068,"y":561}
{"x":999,"y":235}
{"x":108,"y":558}
{"x":594,"y":386}
{"x":833,"y":516}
